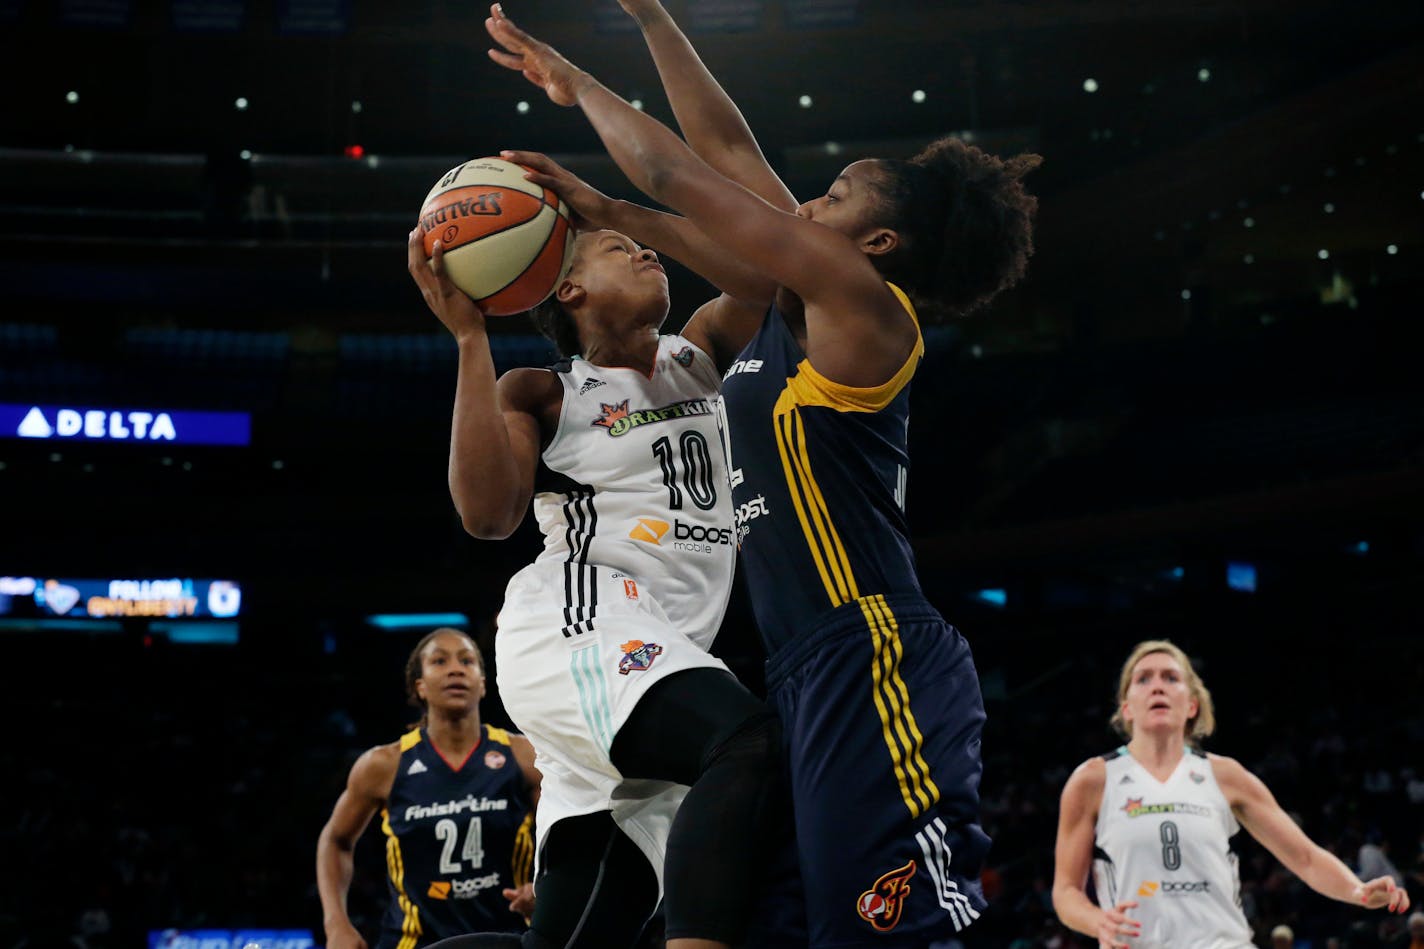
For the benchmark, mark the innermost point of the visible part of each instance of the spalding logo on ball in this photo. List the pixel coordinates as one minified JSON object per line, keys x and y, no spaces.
{"x":508,"y":242}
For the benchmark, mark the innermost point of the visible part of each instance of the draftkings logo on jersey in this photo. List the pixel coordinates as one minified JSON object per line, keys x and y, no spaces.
{"x":1135,"y":808}
{"x":882,"y":905}
{"x":620,"y":420}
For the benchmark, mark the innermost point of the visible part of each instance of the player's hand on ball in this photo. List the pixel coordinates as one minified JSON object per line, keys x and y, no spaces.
{"x":521,"y":900}
{"x":1117,"y":927}
{"x":456,"y":310}
{"x":1383,"y":893}
{"x":540,"y":63}
{"x":592,"y":208}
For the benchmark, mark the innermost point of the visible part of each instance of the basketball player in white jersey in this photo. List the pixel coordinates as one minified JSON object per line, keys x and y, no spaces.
{"x":1152,"y":821}
{"x":602,"y":640}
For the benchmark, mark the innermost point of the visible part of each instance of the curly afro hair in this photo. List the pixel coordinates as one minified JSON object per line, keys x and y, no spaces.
{"x":965,"y":224}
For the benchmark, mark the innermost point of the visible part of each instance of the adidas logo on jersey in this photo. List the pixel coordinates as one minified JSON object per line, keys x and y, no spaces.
{"x":417,"y":767}
{"x":1126,"y":779}
{"x":589,"y":385}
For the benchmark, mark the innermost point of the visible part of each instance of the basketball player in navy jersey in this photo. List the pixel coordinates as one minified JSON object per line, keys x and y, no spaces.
{"x":1152,"y":821}
{"x":878,"y":695}
{"x":602,"y":639}
{"x":456,"y":799}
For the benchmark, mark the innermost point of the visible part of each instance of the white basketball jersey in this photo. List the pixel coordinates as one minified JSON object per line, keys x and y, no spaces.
{"x":1165,"y":845}
{"x":643,"y":488}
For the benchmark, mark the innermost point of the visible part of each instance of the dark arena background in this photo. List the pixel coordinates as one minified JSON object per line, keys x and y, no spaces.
{"x":1201,"y":417}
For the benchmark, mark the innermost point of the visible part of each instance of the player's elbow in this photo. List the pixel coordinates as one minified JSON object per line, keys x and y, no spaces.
{"x":487,"y":525}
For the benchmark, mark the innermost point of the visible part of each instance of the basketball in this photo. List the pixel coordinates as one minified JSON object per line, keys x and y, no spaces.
{"x":508,"y":242}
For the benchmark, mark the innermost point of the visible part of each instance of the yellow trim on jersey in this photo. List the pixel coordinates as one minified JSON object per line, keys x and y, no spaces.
{"x":832,"y":562}
{"x":395,"y":866}
{"x":892,"y":700}
{"x":497,"y":734}
{"x":812,"y":388}
{"x":522,"y":859}
{"x":409,"y":740}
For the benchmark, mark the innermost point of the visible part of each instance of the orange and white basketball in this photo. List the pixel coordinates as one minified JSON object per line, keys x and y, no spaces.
{"x":508,"y":242}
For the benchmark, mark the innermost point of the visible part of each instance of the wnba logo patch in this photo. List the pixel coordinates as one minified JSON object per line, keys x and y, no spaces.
{"x":637,"y":656}
{"x":630,"y":589}
{"x":882,"y":905}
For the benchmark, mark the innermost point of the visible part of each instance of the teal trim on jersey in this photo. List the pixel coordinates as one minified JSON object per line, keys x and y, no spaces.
{"x":593,"y":695}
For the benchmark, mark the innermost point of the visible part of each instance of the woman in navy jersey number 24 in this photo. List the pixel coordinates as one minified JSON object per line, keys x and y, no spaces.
{"x":456,"y":800}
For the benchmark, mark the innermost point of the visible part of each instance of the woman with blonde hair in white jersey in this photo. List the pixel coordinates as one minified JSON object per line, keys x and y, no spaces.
{"x":1152,"y":821}
{"x":602,"y":644}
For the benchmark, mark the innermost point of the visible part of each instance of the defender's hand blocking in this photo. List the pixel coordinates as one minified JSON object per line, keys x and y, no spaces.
{"x":1383,"y":893}
{"x":540,"y":63}
{"x":592,"y":208}
{"x":456,"y":310}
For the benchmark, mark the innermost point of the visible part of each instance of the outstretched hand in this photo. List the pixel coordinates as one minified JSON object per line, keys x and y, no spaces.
{"x":540,"y":63}
{"x":1383,"y":893}
{"x":448,"y":302}
{"x":592,"y":208}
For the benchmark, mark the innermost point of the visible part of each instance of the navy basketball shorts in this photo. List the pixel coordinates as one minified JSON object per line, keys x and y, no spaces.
{"x":882,"y":717}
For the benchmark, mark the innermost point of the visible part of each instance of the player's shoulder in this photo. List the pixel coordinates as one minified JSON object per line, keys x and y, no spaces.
{"x":529,"y":389}
{"x":375,"y":770}
{"x":1227,"y":771}
{"x":1085,"y":784}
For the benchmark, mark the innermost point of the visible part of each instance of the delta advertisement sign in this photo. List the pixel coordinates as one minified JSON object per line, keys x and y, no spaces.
{"x":58,"y":423}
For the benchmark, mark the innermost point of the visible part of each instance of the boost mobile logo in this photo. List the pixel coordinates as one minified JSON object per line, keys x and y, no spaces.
{"x":650,"y":530}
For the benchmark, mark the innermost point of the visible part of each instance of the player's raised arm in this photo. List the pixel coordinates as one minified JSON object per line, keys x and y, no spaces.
{"x":858,"y":332}
{"x":710,"y":121}
{"x":494,"y":437}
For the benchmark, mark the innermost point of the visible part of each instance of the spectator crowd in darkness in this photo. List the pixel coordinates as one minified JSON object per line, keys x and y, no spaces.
{"x":160,"y":786}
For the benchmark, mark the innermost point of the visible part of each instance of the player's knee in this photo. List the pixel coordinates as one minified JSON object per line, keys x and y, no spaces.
{"x":755,"y":748}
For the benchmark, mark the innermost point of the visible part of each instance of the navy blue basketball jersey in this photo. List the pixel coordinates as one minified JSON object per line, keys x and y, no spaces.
{"x":818,"y":476}
{"x":457,"y":833}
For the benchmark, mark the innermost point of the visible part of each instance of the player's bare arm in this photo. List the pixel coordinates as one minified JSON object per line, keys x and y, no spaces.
{"x":495,"y":435}
{"x":1073,"y":858}
{"x":367,"y":788}
{"x":710,"y":121}
{"x":721,"y":327}
{"x":858,"y":333}
{"x":1256,"y":808}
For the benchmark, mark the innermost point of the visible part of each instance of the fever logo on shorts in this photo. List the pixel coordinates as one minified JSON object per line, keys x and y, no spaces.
{"x":494,"y":760}
{"x":637,"y":656}
{"x":650,"y":530}
{"x":882,"y":905}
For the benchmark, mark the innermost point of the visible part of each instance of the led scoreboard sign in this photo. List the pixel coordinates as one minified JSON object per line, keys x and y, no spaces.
{"x":149,"y":425}
{"x":116,"y":599}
